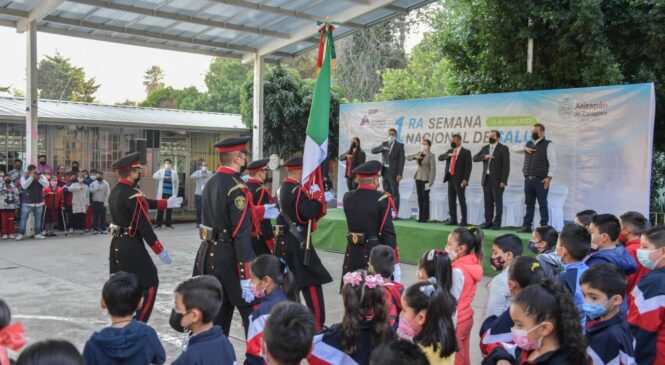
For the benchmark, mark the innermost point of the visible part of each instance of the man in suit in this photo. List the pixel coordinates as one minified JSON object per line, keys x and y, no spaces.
{"x":393,"y":156}
{"x":496,"y":168}
{"x":458,"y":171}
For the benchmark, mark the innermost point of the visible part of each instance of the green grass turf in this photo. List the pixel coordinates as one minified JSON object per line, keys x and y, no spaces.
{"x":413,"y":238}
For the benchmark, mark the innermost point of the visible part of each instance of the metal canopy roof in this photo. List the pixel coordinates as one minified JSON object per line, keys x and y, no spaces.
{"x":239,"y":29}
{"x":67,"y":112}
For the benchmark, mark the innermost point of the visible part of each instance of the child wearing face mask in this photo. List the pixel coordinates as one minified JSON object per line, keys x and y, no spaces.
{"x":608,"y":333}
{"x":80,"y":202}
{"x":54,"y":202}
{"x":504,"y":250}
{"x":427,"y":320}
{"x":436,"y":267}
{"x":646,"y":314}
{"x":271,"y":283}
{"x":465,"y":248}
{"x":197,"y":301}
{"x":9,"y":202}
{"x":547,"y":329}
{"x":523,"y":271}
{"x":543,"y":244}
{"x":382,"y":262}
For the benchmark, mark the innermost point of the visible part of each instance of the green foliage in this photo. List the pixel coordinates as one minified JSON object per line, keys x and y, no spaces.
{"x":153,"y":79}
{"x":58,"y":79}
{"x":188,"y":98}
{"x":224,"y":80}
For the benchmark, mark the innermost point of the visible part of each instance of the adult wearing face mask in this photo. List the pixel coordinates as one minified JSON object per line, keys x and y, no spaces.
{"x":201,"y":177}
{"x":100,"y":191}
{"x":167,"y":188}
{"x":43,"y":167}
{"x":264,"y":241}
{"x":392,"y":154}
{"x":458,"y":171}
{"x":354,"y":157}
{"x":496,"y":169}
{"x":424,"y":178}
{"x":75,"y":170}
{"x":539,"y":168}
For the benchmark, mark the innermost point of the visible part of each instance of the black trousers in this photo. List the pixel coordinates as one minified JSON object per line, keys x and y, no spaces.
{"x":350,"y":184}
{"x":143,"y":313}
{"x":225,"y":315}
{"x":314,"y":299}
{"x":390,"y":185}
{"x":493,"y":195}
{"x":160,"y":214}
{"x":423,"y":200}
{"x":534,"y":189}
{"x":456,"y":192}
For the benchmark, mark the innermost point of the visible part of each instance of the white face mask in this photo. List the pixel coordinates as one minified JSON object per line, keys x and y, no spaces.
{"x":424,"y":148}
{"x":391,"y":138}
{"x":204,"y":168}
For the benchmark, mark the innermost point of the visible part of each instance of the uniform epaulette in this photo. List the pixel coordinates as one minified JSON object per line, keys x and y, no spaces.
{"x":295,"y":188}
{"x":238,"y":185}
{"x":139,"y":194}
{"x":384,"y":196}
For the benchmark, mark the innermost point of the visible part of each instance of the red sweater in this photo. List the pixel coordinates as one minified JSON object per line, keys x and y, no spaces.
{"x":635,"y":278}
{"x":53,"y":199}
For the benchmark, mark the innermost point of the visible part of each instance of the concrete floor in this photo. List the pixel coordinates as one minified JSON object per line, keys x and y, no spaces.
{"x":53,"y":287}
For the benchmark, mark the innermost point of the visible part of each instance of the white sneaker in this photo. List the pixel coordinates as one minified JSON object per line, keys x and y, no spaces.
{"x":11,"y":236}
{"x":39,"y":237}
{"x":71,"y":230}
{"x":4,"y":236}
{"x":19,"y":237}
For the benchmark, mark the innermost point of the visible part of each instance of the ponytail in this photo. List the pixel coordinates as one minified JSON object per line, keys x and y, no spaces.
{"x":438,"y":330}
{"x":473,"y":238}
{"x":278,"y":271}
{"x":525,"y":271}
{"x":437,"y":265}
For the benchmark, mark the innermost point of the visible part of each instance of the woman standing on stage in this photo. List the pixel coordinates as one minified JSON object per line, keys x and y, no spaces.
{"x":424,"y":178}
{"x":354,"y":157}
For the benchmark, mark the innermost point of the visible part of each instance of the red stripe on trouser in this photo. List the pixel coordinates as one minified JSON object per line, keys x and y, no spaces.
{"x":147,"y":304}
{"x":317,"y":308}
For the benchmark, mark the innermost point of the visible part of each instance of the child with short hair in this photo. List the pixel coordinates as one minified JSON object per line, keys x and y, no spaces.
{"x":398,"y":352}
{"x":54,"y":203}
{"x":608,"y":333}
{"x":80,"y":202}
{"x":288,"y":334}
{"x":126,"y":341}
{"x":465,"y":248}
{"x":543,"y":244}
{"x":605,"y":230}
{"x":50,"y":352}
{"x":646,"y":314}
{"x":547,"y":328}
{"x":11,"y":334}
{"x":364,"y":325}
{"x":574,"y":245}
{"x":633,"y":225}
{"x":427,"y":320}
{"x":382,"y":262}
{"x":584,"y":218}
{"x":197,"y":301}
{"x":505,"y":249}
{"x":272,"y":283}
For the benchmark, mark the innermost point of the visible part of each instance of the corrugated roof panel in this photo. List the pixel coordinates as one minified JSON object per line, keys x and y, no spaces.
{"x":373,"y":16}
{"x":24,"y":5}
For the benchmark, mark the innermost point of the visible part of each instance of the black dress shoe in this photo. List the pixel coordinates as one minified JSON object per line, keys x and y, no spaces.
{"x":496,"y":228}
{"x":485,"y":225}
{"x":450,"y":223}
{"x":463,"y":224}
{"x":525,"y":230}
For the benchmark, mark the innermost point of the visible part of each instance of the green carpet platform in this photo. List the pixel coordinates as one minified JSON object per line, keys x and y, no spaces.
{"x":413,"y":238}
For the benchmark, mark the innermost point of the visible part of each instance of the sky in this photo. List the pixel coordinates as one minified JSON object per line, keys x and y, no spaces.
{"x":118,"y":68}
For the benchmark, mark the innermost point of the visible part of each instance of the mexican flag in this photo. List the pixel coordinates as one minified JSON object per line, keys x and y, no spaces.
{"x":316,"y":141}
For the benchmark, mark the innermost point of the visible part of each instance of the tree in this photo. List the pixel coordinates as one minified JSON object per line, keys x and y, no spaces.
{"x":128,"y":102}
{"x":224,"y":80}
{"x":188,"y":98}
{"x":58,"y":79}
{"x":153,"y":79}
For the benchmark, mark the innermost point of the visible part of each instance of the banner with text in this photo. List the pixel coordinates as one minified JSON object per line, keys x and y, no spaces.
{"x":602,"y":137}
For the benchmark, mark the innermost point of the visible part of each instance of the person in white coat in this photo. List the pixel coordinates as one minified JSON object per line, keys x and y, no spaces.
{"x":168,"y":187}
{"x":201,"y":177}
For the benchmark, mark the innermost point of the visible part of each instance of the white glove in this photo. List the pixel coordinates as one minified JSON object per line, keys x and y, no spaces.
{"x":397,"y":273}
{"x":270,"y":212}
{"x":164,"y":256}
{"x":329,"y":196}
{"x":314,"y":188}
{"x":174,"y":202}
{"x":244,"y":178}
{"x":246,"y":292}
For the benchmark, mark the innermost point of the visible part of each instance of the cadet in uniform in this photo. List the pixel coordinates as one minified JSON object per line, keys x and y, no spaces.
{"x":369,"y":216}
{"x":258,"y":174}
{"x":228,"y":221}
{"x":131,"y":226}
{"x":298,"y":207}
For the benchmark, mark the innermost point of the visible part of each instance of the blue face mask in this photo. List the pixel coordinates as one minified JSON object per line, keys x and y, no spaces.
{"x":533,"y":248}
{"x":594,"y":310}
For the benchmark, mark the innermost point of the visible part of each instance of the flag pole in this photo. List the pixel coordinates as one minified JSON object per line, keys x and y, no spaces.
{"x":308,"y":243}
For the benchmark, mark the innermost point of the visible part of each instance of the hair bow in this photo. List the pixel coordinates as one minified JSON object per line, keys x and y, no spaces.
{"x":534,"y":266}
{"x":352,"y":278}
{"x":11,"y":337}
{"x":372,"y":281}
{"x":432,"y":253}
{"x":428,"y":290}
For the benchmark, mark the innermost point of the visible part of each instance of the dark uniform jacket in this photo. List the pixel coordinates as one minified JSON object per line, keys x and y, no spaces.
{"x":462,"y":165}
{"x":297,"y":204}
{"x":208,"y":348}
{"x":226,"y":254}
{"x":265,"y":241}
{"x":499,"y":166}
{"x":129,"y":211}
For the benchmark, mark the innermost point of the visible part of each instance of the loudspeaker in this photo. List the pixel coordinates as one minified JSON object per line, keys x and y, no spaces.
{"x":139,"y":145}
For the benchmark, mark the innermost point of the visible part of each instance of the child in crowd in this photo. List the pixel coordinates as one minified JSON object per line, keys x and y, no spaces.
{"x":272,"y":283}
{"x":465,"y":248}
{"x":605,"y":230}
{"x":436,"y":267}
{"x":427,"y":319}
{"x":608,"y":334}
{"x":80,"y":202}
{"x":574,"y":245}
{"x":54,"y":203}
{"x":398,"y":352}
{"x":504,"y":250}
{"x":51,"y":352}
{"x":646,"y":314}
{"x":100,"y":191}
{"x":633,"y":225}
{"x":126,"y":341}
{"x":382,"y":262}
{"x":584,"y":218}
{"x":9,"y":202}
{"x":523,"y":272}
{"x":543,"y":244}
{"x":364,"y":326}
{"x":547,"y":328}
{"x":288,"y":334}
{"x":197,"y":301}
{"x":11,"y":334}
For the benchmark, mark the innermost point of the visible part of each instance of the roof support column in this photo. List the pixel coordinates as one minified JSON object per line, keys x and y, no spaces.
{"x":257,"y":115}
{"x":31,"y":122}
